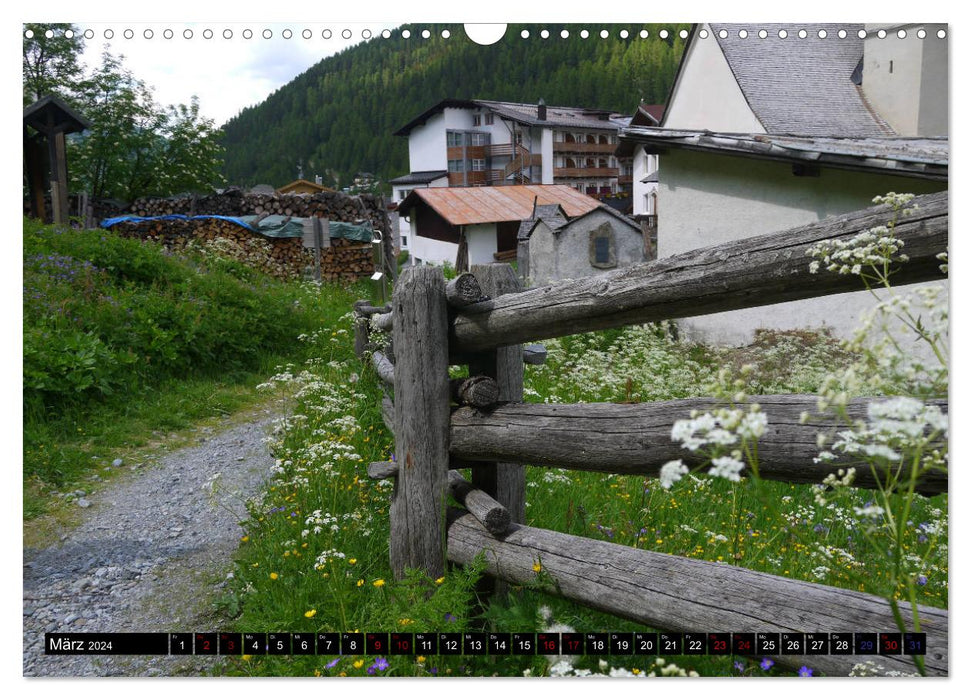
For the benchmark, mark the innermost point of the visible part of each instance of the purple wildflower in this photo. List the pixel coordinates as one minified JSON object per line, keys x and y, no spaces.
{"x":449,"y":617}
{"x":767,"y":664}
{"x":333,"y":663}
{"x":739,"y":666}
{"x":433,"y":670}
{"x":380,"y":664}
{"x":922,"y":580}
{"x":805,"y":671}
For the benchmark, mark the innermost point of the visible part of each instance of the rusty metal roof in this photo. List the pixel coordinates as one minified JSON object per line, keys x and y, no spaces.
{"x":461,"y":206}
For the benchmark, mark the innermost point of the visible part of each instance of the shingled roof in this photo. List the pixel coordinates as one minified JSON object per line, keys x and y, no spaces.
{"x":799,"y":85}
{"x":922,"y":157}
{"x":524,"y":113}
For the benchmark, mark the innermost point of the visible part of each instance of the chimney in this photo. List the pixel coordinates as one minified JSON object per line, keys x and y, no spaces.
{"x":541,"y":110}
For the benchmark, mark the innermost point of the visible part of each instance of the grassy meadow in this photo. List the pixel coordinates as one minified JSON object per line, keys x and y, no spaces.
{"x":315,"y":556}
{"x":125,"y":343}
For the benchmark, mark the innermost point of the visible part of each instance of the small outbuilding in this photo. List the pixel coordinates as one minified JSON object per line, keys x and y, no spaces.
{"x":554,"y":247}
{"x":46,"y":123}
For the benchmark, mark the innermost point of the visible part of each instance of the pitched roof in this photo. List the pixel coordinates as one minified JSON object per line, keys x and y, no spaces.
{"x":419,"y":177}
{"x":523,"y":113}
{"x":481,"y":205}
{"x":51,"y":113}
{"x":647,"y":115}
{"x":304,"y":183}
{"x":800,"y":86}
{"x":551,"y":214}
{"x":920,"y":157}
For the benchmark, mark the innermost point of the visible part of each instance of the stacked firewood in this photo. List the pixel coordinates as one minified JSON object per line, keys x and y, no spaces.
{"x":284,"y":258}
{"x":334,"y":206}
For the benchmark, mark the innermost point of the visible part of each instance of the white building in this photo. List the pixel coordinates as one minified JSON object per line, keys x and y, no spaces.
{"x":475,"y":143}
{"x":763,"y":134}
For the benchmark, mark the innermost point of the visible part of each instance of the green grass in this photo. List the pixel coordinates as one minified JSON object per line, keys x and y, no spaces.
{"x":125,"y":343}
{"x":290,"y":575}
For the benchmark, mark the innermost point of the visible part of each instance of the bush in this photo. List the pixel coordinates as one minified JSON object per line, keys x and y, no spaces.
{"x":102,"y":313}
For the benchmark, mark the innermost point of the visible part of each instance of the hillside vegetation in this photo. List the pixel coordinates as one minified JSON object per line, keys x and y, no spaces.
{"x":120,"y":330}
{"x":339,"y":117}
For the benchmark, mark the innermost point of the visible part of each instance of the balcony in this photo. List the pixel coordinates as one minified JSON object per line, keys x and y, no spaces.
{"x":571,"y":147}
{"x":500,"y":149}
{"x":585,"y":172}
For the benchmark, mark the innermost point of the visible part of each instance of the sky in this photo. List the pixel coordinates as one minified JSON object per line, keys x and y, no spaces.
{"x":228,"y":71}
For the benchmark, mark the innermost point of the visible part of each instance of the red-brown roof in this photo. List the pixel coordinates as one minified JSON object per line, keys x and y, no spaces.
{"x":461,"y":206}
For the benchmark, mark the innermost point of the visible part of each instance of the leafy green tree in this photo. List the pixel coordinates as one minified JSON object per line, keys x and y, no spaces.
{"x":136,"y":148}
{"x":51,"y":65}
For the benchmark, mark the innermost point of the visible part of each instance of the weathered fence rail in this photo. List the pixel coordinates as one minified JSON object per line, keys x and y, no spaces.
{"x":494,"y":433}
{"x":636,"y":438}
{"x":756,"y":271}
{"x":682,"y":594}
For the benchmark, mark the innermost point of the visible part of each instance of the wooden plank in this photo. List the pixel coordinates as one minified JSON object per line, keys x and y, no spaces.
{"x":382,"y":365}
{"x":383,"y":322}
{"x":507,"y":481}
{"x":421,"y":422}
{"x":463,"y":291}
{"x":382,"y":470}
{"x":491,"y":514}
{"x":636,"y":438}
{"x":387,"y":412}
{"x":681,"y":594}
{"x":756,"y":271}
{"x":479,"y":392}
{"x":361,"y":333}
{"x":534,"y":354}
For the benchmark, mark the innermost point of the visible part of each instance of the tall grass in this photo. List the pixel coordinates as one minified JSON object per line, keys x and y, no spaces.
{"x":122,"y":339}
{"x":315,"y":554}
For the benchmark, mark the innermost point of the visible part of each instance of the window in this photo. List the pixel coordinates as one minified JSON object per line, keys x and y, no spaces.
{"x":479,"y":138}
{"x":601,"y":250}
{"x":456,"y":166}
{"x":403,"y":193}
{"x":476,"y":120}
{"x":489,"y":119}
{"x":603,"y":253}
{"x":478,"y":165}
{"x":404,"y":241}
{"x":454,"y":138}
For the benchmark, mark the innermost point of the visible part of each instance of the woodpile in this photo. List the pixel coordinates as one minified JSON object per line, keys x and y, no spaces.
{"x":334,"y":206}
{"x":283,"y":258}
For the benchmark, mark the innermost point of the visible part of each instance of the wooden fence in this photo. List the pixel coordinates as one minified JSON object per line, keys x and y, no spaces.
{"x":481,"y":319}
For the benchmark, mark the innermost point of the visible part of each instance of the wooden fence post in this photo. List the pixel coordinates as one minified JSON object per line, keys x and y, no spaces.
{"x":505,"y":482}
{"x":421,"y":420}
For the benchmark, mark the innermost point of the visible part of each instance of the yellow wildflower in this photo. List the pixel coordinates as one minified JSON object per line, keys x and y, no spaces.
{"x":244,"y":538}
{"x":350,"y":561}
{"x":310,"y":613}
{"x":537,"y":567}
{"x":440,"y":580}
{"x":274,"y":575}
{"x":379,"y":583}
{"x":359,"y":663}
{"x":360,"y":582}
{"x":246,"y":657}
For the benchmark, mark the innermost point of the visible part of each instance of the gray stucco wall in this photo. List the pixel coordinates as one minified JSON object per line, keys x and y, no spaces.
{"x":567,"y":255}
{"x":705,"y":199}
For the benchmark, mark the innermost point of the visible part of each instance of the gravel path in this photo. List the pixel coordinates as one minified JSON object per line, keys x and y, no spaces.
{"x":152,"y":555}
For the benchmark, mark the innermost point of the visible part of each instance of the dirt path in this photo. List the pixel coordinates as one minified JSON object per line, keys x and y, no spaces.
{"x":152,"y":554}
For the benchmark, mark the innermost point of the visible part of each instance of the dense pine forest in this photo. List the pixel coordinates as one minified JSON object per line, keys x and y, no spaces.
{"x":338,"y":118}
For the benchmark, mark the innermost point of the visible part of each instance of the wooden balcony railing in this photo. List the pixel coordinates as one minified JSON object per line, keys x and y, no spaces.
{"x":586,"y":172}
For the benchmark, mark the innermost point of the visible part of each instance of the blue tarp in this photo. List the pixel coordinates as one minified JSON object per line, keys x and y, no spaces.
{"x":275,"y":226}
